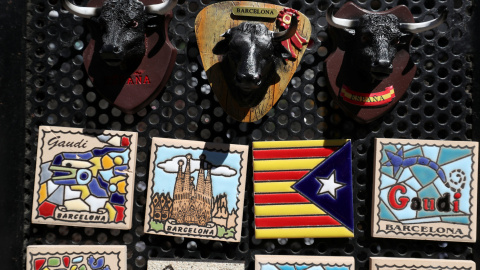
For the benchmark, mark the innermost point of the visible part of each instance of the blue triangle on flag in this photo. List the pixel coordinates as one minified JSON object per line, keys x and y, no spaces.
{"x":341,"y":207}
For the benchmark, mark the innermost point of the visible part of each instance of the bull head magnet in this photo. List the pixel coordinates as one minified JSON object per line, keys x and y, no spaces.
{"x":371,"y":69}
{"x":250,"y":52}
{"x":129,"y":58}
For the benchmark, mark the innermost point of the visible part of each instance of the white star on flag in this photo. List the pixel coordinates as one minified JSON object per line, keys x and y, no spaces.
{"x":329,"y":185}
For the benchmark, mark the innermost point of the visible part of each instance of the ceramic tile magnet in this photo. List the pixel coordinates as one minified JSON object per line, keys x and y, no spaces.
{"x":84,"y":177}
{"x":196,"y":189}
{"x":425,"y":190}
{"x":382,"y":263}
{"x":74,"y":257}
{"x":276,"y":262}
{"x":194,"y":264}
{"x":250,"y":52}
{"x":303,"y":189}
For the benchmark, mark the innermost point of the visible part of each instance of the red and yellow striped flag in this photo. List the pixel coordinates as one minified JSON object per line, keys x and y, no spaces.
{"x":281,"y":211}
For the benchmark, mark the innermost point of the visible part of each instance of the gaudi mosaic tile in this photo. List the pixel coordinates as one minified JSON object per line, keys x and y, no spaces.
{"x":425,"y":190}
{"x":192,"y":264}
{"x":196,"y":189}
{"x":276,"y":262}
{"x":303,"y":189}
{"x":381,"y":263}
{"x":70,"y":257}
{"x":84,"y":177}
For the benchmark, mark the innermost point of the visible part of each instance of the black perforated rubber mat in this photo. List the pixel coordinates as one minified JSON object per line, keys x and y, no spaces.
{"x":438,"y":105}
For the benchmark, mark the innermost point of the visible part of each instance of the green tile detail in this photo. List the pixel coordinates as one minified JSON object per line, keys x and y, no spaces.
{"x":54,"y":261}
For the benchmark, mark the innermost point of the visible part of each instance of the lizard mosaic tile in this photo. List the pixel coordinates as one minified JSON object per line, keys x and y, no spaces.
{"x":74,"y":257}
{"x":303,"y":189}
{"x":425,"y":190}
{"x":277,"y":262}
{"x":383,"y":263}
{"x":196,"y":189}
{"x":194,"y":264}
{"x":84,"y":177}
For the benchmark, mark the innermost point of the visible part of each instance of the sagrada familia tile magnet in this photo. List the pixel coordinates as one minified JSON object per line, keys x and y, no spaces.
{"x":303,"y":189}
{"x":425,"y":190}
{"x":277,"y":262}
{"x":383,"y":263}
{"x":250,"y":52}
{"x":194,"y":264}
{"x":84,"y":177}
{"x":74,"y":257}
{"x":196,"y":189}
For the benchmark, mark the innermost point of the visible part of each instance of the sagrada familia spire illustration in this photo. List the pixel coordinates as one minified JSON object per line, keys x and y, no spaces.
{"x":193,"y":205}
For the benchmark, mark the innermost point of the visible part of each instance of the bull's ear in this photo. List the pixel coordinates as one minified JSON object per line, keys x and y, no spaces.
{"x":282,"y":52}
{"x":222,"y":46}
{"x":227,"y":34}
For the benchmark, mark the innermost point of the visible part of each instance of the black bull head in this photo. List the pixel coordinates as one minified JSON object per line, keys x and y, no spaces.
{"x":377,"y":38}
{"x":252,"y":53}
{"x":123,"y":25}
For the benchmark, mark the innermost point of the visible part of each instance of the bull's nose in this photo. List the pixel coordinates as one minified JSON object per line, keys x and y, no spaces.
{"x":383,"y":63}
{"x":108,"y":48}
{"x":253,"y":79}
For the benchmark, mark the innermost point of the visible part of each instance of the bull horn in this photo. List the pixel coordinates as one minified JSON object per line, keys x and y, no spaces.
{"x":162,"y":8}
{"x":339,"y":22}
{"x":416,"y":28}
{"x":84,"y":12}
{"x":288,"y":33}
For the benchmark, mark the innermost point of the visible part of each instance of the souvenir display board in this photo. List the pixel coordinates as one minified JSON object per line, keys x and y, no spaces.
{"x":438,"y":105}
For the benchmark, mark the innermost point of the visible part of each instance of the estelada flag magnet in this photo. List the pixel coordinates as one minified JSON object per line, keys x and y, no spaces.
{"x":303,"y":189}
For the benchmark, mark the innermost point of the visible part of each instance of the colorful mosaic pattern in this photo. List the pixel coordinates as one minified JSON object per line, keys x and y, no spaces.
{"x":383,"y":263}
{"x":76,"y":257}
{"x":84,"y":178}
{"x":303,"y":189}
{"x":196,"y":189}
{"x":425,"y":189}
{"x":275,"y":262}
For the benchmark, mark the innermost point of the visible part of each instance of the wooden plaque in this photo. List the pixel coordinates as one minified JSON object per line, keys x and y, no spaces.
{"x":212,"y":22}
{"x":133,"y":89}
{"x":342,"y":77}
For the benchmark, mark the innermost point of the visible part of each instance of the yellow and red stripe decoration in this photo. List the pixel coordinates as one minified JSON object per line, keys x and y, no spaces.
{"x":284,"y":19}
{"x":368,"y":99}
{"x":280,"y":211}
